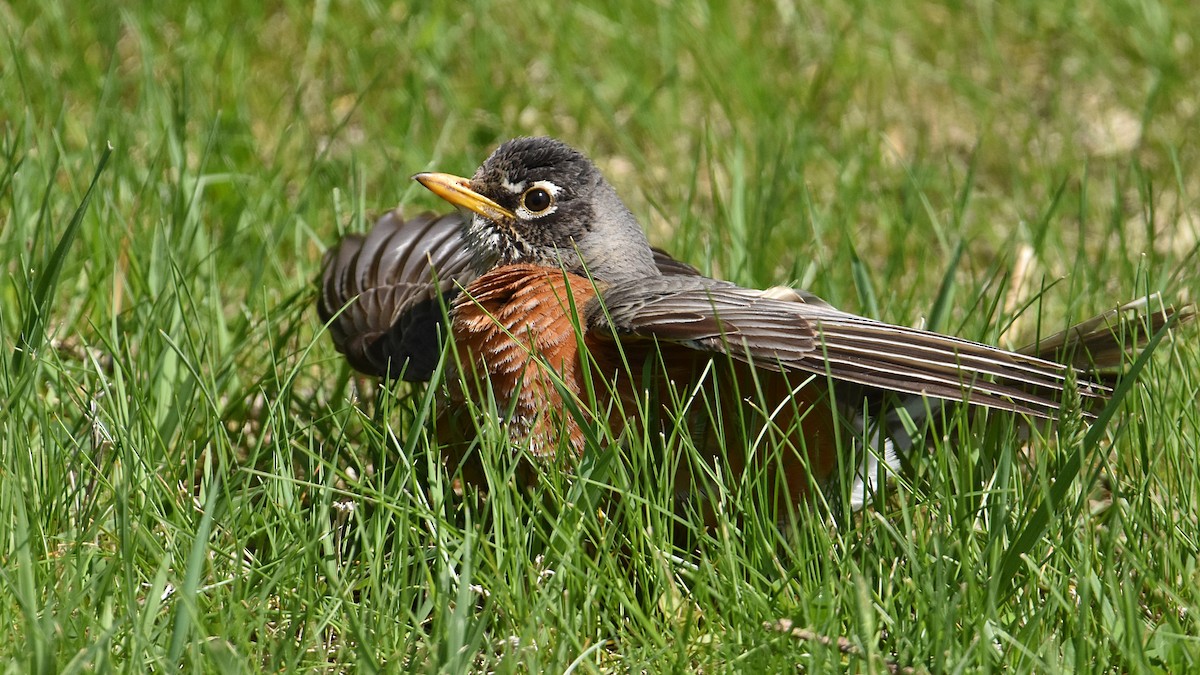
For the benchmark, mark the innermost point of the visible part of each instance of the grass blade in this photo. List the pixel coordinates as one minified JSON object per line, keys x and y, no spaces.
{"x":1040,"y":521}
{"x":32,"y":332}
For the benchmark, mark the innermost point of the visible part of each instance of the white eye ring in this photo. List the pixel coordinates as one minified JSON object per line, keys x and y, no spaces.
{"x":542,"y":189}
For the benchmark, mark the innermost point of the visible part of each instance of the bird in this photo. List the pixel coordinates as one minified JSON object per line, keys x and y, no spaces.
{"x":560,"y":310}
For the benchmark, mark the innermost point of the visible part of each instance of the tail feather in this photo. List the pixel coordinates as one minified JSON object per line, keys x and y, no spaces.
{"x":1098,"y":347}
{"x":1104,"y":344}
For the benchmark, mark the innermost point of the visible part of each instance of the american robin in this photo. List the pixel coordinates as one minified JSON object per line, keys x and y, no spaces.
{"x":562,"y":311}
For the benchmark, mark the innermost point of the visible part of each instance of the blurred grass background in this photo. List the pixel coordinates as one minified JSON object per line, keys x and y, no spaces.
{"x":189,"y":476}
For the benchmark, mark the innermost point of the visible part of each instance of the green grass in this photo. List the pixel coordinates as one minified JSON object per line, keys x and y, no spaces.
{"x":189,"y":475}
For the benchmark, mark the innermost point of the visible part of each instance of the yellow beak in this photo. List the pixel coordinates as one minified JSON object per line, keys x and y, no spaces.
{"x":457,"y":190}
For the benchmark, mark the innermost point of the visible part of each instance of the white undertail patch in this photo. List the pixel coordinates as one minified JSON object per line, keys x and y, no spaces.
{"x":890,"y":439}
{"x":878,"y":462}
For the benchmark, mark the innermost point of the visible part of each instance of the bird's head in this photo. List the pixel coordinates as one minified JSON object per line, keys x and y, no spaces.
{"x":539,"y":201}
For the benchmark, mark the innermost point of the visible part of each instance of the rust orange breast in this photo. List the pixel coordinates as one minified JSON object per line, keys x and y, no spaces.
{"x":518,"y":334}
{"x":517,"y":330}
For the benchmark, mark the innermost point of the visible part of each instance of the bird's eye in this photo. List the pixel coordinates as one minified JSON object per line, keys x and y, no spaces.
{"x":536,"y":200}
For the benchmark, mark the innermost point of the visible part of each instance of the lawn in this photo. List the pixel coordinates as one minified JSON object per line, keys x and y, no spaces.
{"x":191,"y":477}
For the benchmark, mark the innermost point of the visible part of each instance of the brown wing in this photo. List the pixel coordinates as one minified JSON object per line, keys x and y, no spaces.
{"x":380,"y":300}
{"x":670,"y":266}
{"x":791,"y":330}
{"x":379,"y":297}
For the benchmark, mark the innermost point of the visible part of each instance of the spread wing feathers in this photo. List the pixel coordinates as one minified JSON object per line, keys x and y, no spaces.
{"x":380,"y":294}
{"x":793,"y":330}
{"x":380,"y":300}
